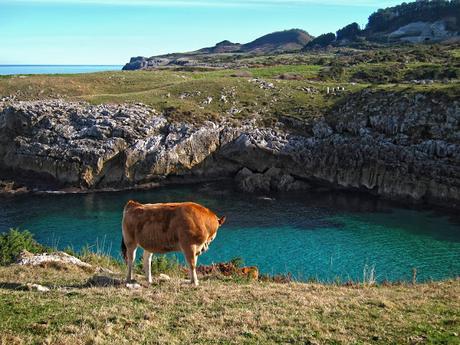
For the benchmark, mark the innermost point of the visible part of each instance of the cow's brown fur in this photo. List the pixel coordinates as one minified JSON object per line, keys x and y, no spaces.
{"x":167,"y":227}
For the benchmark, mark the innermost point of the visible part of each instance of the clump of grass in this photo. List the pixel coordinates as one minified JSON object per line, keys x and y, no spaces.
{"x":98,"y":256}
{"x":237,"y":261}
{"x":369,"y":275}
{"x":165,"y":264}
{"x":14,"y":242}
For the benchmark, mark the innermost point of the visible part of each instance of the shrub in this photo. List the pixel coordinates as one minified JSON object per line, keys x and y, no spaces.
{"x":164,"y":264}
{"x":335,"y":72}
{"x":321,"y":41}
{"x":14,"y":242}
{"x":434,"y":72}
{"x":349,"y":32}
{"x":378,"y":74}
{"x":237,"y":262}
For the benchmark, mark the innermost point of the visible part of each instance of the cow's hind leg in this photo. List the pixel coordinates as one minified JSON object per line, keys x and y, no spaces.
{"x":130,"y":257}
{"x":148,"y":266}
{"x":191,"y":258}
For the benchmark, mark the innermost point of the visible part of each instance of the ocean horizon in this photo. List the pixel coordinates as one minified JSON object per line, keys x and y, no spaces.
{"x":10,"y":69}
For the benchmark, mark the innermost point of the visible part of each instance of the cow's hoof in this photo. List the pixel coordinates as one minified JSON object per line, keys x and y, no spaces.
{"x":189,"y":282}
{"x":133,"y":286}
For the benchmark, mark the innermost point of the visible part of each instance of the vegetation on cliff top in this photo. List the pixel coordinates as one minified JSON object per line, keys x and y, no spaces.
{"x":391,"y":18}
{"x":268,"y":88}
{"x":92,"y":306}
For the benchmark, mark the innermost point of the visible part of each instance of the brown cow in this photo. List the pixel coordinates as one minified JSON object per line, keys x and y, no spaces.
{"x":167,"y":227}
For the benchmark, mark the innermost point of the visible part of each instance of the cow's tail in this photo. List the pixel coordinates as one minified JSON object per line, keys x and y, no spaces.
{"x":123,"y":249}
{"x":123,"y":244}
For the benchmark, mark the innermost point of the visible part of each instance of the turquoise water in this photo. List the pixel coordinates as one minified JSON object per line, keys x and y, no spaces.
{"x":325,"y":236}
{"x":55,"y":69}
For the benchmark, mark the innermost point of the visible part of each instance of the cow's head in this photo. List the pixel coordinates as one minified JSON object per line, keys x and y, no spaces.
{"x":221,"y":220}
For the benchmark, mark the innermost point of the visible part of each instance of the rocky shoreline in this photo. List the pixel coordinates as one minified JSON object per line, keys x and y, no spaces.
{"x":396,"y":145}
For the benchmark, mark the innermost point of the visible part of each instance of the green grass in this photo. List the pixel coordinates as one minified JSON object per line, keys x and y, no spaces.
{"x":163,"y":89}
{"x":305,"y":71}
{"x":221,"y":311}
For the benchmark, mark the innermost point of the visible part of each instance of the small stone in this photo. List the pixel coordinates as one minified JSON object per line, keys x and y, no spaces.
{"x":164,"y":277}
{"x":37,"y":287}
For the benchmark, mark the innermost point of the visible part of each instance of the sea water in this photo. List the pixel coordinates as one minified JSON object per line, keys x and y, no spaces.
{"x":55,"y":69}
{"x":326,"y":236}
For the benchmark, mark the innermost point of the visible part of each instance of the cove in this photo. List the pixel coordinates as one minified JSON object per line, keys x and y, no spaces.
{"x":327,"y":236}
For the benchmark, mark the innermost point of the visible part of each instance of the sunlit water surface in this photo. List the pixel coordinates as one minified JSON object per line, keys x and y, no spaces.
{"x":55,"y":69}
{"x":326,"y":236}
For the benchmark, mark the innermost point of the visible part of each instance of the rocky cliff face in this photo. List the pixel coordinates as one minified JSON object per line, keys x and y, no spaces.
{"x":394,"y":145}
{"x":419,"y":32}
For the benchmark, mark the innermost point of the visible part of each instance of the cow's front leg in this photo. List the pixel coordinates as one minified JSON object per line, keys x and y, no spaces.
{"x":191,"y":258}
{"x":148,"y":266}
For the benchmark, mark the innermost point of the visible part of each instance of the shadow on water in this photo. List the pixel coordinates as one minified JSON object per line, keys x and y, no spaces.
{"x":326,"y":235}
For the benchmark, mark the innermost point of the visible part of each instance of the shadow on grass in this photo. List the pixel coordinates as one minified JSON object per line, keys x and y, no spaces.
{"x":97,"y":281}
{"x":102,"y":281}
{"x":12,"y":286}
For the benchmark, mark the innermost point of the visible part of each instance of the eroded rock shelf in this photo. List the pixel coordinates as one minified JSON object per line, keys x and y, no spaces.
{"x":395,"y":145}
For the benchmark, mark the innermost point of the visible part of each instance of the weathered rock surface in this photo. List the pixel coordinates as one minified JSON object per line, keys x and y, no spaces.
{"x":27,"y":258}
{"x":140,"y":62}
{"x":418,"y":32}
{"x":392,"y":144}
{"x":36,"y":287}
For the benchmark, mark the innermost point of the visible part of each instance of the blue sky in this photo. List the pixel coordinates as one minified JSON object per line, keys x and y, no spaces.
{"x":111,"y":31}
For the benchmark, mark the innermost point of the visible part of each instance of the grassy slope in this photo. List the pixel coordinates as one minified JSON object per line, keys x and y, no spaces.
{"x":223,"y":311}
{"x":162,"y":88}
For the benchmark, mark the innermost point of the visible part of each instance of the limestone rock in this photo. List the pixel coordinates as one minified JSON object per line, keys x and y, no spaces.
{"x":164,"y":277}
{"x":26,"y":258}
{"x":393,"y":144}
{"x":37,"y":287}
{"x":254,"y":182}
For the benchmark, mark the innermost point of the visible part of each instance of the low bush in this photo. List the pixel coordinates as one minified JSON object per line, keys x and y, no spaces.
{"x":433,"y":72}
{"x":14,"y":242}
{"x":165,"y":264}
{"x":378,"y":74}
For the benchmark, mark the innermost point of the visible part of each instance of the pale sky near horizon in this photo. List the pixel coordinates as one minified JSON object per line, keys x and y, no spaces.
{"x":111,"y":31}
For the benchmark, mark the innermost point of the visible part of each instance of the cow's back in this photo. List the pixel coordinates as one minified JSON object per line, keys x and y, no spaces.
{"x":165,"y":227}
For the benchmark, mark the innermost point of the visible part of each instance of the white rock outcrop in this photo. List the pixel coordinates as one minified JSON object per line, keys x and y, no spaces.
{"x":34,"y":260}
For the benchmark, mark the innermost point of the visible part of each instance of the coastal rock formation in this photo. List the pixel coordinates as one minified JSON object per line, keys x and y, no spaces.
{"x":397,"y":145}
{"x":282,"y":41}
{"x":140,"y":62}
{"x":418,"y":32}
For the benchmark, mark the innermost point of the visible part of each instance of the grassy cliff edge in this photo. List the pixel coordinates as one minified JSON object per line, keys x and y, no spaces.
{"x":90,"y":305}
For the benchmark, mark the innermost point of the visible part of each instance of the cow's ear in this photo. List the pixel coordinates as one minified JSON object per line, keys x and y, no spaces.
{"x":222,"y":220}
